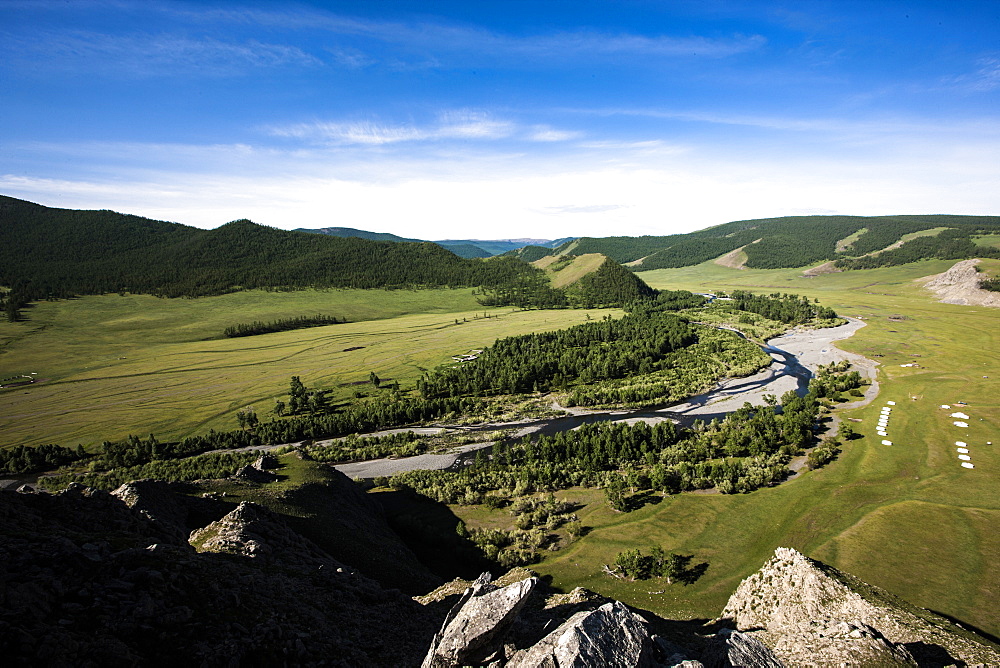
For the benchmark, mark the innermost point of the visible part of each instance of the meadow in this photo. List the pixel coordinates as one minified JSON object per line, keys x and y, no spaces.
{"x":905,"y":517}
{"x":109,"y":366}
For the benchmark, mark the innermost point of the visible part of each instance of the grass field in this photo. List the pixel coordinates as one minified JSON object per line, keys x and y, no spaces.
{"x":905,"y":517}
{"x":112,"y":366}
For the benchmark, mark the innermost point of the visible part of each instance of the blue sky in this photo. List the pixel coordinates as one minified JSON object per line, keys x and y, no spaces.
{"x":505,"y":119}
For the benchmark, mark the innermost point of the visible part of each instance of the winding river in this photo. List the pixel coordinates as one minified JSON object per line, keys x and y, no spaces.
{"x":795,"y":355}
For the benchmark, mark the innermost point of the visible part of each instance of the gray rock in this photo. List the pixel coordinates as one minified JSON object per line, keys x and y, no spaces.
{"x":256,"y":532}
{"x":810,"y":613}
{"x":474,"y":629}
{"x":731,"y":649}
{"x":254,"y":474}
{"x":611,"y":636}
{"x":154,"y":501}
{"x":265,"y":462}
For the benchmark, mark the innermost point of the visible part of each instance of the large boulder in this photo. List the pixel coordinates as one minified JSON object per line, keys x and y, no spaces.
{"x":474,"y":629}
{"x":611,"y":636}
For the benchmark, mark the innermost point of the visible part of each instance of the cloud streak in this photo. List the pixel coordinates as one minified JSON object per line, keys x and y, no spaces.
{"x":466,"y":125}
{"x":153,"y":54}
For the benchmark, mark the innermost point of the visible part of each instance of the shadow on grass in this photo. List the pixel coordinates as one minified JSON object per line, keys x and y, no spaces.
{"x":640,"y":500}
{"x":429,"y":529}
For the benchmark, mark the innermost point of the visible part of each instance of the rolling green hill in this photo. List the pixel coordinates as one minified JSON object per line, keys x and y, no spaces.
{"x":59,"y":252}
{"x":794,"y":241}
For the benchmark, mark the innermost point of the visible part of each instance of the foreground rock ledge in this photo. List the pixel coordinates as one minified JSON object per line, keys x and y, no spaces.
{"x":809,"y":613}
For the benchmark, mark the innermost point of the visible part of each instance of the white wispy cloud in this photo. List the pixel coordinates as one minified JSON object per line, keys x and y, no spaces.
{"x":451,"y":125}
{"x":477,"y":42}
{"x":151,"y":54}
{"x":984,"y":79}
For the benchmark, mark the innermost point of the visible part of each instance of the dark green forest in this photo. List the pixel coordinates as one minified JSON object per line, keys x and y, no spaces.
{"x":954,"y":244}
{"x":46,"y":252}
{"x":593,"y":351}
{"x":792,"y":241}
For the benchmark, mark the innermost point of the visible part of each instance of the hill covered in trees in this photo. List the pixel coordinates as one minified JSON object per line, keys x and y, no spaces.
{"x":53,"y":253}
{"x":792,"y":241}
{"x":49,"y":252}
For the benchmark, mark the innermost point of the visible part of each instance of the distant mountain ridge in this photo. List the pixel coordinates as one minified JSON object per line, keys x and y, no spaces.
{"x":467,"y":248}
{"x":793,"y":241}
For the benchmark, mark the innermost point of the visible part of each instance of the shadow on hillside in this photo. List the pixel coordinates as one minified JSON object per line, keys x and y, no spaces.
{"x":969,"y":627}
{"x":429,"y":529}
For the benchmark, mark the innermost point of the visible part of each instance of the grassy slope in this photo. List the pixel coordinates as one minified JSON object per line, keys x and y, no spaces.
{"x":988,"y":240}
{"x":137,"y":364}
{"x":904,"y":517}
{"x":572,"y":272}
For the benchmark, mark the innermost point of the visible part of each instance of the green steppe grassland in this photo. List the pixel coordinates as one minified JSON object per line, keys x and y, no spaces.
{"x":905,"y":517}
{"x":110,"y":365}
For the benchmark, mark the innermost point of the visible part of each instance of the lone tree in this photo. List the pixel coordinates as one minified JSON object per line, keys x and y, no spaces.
{"x":615,"y":491}
{"x":247,"y":418}
{"x":375,"y":380}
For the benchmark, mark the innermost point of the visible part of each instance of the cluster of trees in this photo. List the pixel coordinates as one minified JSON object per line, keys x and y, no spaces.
{"x":834,"y":380}
{"x":609,"y":348}
{"x":717,"y":353}
{"x":951,"y":244}
{"x":281,"y":325}
{"x":748,"y":449}
{"x":991,"y":284}
{"x":302,"y":399}
{"x":14,"y":299}
{"x":634,"y":565}
{"x":201,"y":467}
{"x":356,"y":448}
{"x":535,"y":520}
{"x":786,"y":308}
{"x":21,"y":459}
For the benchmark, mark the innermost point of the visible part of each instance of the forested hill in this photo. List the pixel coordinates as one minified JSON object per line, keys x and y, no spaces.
{"x":792,"y":241}
{"x":60,"y":252}
{"x":586,"y":281}
{"x":467,"y":248}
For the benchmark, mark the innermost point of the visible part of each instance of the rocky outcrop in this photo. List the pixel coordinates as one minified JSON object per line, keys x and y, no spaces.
{"x":253,"y":531}
{"x":258,"y":471}
{"x":154,"y":500}
{"x":811,"y":613}
{"x":473,"y":630}
{"x":960,"y":285}
{"x":524,"y":624}
{"x":731,"y":648}
{"x":85,"y":580}
{"x":612,"y":636}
